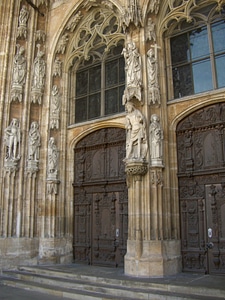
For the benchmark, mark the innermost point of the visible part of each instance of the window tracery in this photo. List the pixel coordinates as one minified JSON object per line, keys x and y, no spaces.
{"x":97,"y":76}
{"x":197,"y":50}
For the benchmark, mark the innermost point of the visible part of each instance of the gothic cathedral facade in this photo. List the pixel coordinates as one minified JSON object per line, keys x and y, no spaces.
{"x":113,"y":134}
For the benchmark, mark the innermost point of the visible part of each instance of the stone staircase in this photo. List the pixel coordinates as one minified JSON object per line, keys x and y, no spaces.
{"x":88,"y":283}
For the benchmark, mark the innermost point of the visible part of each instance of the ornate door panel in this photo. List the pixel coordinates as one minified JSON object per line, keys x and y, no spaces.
{"x":201,"y":175}
{"x":215,"y":199}
{"x":100,"y":198}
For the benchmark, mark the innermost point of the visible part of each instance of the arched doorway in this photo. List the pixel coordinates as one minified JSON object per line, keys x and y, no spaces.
{"x":201,"y":176}
{"x":100,"y":198}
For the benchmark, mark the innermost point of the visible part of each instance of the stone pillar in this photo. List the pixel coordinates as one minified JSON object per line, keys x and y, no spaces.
{"x":135,"y":172}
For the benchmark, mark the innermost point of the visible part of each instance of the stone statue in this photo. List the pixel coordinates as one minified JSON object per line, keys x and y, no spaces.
{"x":12,"y":140}
{"x":52,"y":158}
{"x":23,"y":17}
{"x":136,"y":143}
{"x":133,"y":73}
{"x":61,"y":48}
{"x":155,"y":141}
{"x":151,"y":30}
{"x":39,"y":70}
{"x":74,"y":21}
{"x":19,"y":74}
{"x":19,"y":66}
{"x":57,"y":67}
{"x":152,"y":69}
{"x":34,"y":142}
{"x":55,"y":108}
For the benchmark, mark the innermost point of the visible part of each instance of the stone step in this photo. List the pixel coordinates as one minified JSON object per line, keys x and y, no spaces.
{"x":120,"y":280}
{"x":69,"y":284}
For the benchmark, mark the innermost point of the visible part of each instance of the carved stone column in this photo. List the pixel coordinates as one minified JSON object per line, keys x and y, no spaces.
{"x":135,"y":170}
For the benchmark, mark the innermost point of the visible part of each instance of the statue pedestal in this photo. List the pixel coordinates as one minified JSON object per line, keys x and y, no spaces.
{"x":158,"y":259}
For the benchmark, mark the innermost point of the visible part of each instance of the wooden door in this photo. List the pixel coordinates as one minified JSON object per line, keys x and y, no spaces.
{"x":100,"y":199}
{"x":215,"y":227}
{"x":201,"y":176}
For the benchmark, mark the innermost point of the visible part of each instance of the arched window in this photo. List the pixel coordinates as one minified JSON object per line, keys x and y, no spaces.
{"x":97,"y":77}
{"x":197,"y":54}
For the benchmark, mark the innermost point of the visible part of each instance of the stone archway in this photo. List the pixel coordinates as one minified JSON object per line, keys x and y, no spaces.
{"x":201,"y":177}
{"x":100,"y":199}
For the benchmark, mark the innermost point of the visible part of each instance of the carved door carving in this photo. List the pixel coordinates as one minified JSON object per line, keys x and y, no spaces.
{"x":100,"y":199}
{"x":201,"y":176}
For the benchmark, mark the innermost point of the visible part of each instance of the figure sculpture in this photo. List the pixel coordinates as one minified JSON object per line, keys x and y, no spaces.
{"x":153,"y":85}
{"x":39,"y":70}
{"x":155,"y":140}
{"x":136,"y":143}
{"x":57,"y":67}
{"x":133,"y":73}
{"x":52,"y":157}
{"x":12,"y":140}
{"x":34,"y":142}
{"x":62,"y":44}
{"x":19,"y":74}
{"x":55,"y":108}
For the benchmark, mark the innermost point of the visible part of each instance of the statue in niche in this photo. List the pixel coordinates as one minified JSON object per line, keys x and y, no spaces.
{"x":57,"y":67}
{"x":74,"y":21}
{"x":19,"y":74}
{"x":34,"y":142}
{"x":151,"y":30}
{"x":52,"y":158}
{"x":23,"y":17}
{"x":55,"y":108}
{"x":152,"y":69}
{"x":136,"y":143}
{"x":62,"y":44}
{"x":133,"y":73}
{"x":39,"y":70}
{"x":155,"y":141}
{"x":12,"y":140}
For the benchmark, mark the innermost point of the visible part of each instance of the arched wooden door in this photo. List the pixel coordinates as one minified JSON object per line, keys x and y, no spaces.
{"x":100,"y":199}
{"x":201,"y":175}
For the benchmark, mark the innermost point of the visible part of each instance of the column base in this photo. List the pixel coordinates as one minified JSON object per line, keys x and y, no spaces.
{"x":158,"y":259}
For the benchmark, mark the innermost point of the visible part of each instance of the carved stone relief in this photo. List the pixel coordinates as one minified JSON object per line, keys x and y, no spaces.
{"x":74,"y":21}
{"x":55,"y":108}
{"x":40,"y":36}
{"x":12,"y":139}
{"x":156,"y":141}
{"x":152,"y":69}
{"x":23,"y":18}
{"x":57,"y":67}
{"x":133,"y":14}
{"x":61,"y":48}
{"x":151,"y":35}
{"x":38,"y":80}
{"x":34,"y":143}
{"x":19,"y":74}
{"x":53,"y":160}
{"x":133,"y":68}
{"x":136,"y":139}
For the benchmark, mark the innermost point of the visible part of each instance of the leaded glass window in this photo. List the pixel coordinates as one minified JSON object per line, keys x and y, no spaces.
{"x":198,"y":59}
{"x":99,"y":87}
